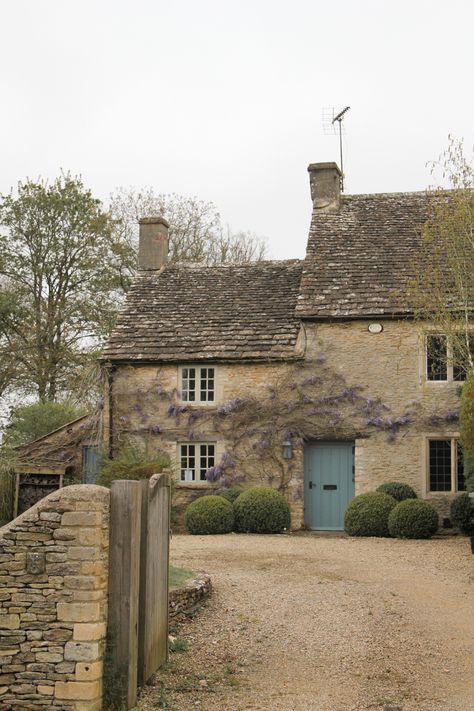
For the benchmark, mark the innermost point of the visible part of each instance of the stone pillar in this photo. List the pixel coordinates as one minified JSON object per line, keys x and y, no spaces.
{"x":53,"y":602}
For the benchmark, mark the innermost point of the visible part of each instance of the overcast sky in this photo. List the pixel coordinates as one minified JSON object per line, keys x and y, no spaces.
{"x":224,"y":100}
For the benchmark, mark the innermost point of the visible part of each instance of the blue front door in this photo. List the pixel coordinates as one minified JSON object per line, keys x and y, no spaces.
{"x":329,"y":484}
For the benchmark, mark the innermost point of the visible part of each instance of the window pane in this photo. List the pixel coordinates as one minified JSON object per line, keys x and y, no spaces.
{"x":188,"y":460}
{"x":436,"y":358}
{"x":206,"y":459}
{"x":460,"y":358}
{"x":206,"y":384}
{"x":188,"y":384}
{"x":461,"y":483}
{"x":440,"y":464}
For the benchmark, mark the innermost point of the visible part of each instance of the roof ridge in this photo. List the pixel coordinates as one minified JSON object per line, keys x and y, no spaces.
{"x":417,"y":193}
{"x":226,"y":265}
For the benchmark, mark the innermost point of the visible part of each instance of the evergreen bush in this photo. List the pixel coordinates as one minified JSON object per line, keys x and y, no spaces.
{"x":413,"y":518}
{"x":462,"y":513}
{"x":261,"y":510}
{"x":208,"y":515}
{"x":398,"y":490}
{"x":367,"y":514}
{"x":231,"y":494}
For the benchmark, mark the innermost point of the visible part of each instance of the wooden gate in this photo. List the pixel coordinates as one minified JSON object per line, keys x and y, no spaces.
{"x":138,"y":582}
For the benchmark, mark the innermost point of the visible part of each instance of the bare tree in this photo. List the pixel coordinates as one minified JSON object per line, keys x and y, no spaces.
{"x":196,"y":230}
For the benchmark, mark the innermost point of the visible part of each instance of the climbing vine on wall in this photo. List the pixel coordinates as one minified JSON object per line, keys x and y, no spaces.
{"x":308,"y":401}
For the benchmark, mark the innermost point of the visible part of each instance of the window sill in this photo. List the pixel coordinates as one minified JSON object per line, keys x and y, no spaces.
{"x":196,"y":485}
{"x":435,"y":494}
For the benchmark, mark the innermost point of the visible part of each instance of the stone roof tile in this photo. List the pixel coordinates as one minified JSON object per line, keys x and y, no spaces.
{"x":360,"y":257}
{"x":192,"y":312}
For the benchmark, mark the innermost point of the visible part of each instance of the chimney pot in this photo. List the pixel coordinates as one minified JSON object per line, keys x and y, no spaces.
{"x":325,"y":185}
{"x":153,"y":242}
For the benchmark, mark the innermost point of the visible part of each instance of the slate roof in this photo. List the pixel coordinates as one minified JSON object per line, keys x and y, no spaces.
{"x":360,"y":257}
{"x":190,"y":312}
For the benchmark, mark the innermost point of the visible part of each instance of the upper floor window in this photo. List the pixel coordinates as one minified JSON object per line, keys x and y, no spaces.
{"x":445,"y":465}
{"x":197,"y":384}
{"x":442,"y":361}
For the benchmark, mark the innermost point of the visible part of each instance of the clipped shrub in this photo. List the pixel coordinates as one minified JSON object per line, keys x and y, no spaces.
{"x":231,"y":494}
{"x":367,"y":514}
{"x":413,"y":518}
{"x":462,"y":513}
{"x":208,"y":515}
{"x":261,"y":510}
{"x":398,"y":490}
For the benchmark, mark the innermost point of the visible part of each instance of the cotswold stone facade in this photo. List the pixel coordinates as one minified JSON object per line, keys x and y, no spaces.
{"x":53,"y":595}
{"x":310,"y":375}
{"x":391,"y":366}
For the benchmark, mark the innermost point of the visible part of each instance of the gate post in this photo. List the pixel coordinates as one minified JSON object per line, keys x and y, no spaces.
{"x":153,"y":614}
{"x":124,"y":576}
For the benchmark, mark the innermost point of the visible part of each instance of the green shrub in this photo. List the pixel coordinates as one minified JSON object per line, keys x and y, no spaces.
{"x":413,"y":518}
{"x":209,"y":514}
{"x":261,"y":510}
{"x":131,"y":462}
{"x":398,"y":490}
{"x":367,"y":514}
{"x":462,"y":513}
{"x":231,"y":494}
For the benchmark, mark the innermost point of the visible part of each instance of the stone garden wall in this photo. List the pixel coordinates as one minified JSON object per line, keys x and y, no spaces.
{"x":190,"y":594}
{"x":53,"y":602}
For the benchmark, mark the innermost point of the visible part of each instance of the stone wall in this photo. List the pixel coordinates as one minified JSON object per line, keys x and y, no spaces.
{"x":53,"y":600}
{"x":190,"y":594}
{"x":389,"y":365}
{"x":138,"y":409}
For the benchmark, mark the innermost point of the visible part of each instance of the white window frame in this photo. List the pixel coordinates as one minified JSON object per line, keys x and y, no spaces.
{"x":449,"y":361}
{"x":193,"y":461}
{"x":453,"y":439}
{"x":201,"y":373}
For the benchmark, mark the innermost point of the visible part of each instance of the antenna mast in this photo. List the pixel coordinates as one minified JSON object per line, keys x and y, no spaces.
{"x":339,"y":118}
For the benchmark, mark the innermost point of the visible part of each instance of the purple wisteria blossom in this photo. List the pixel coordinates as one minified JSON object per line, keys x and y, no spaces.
{"x":213,"y":473}
{"x":232,"y":406}
{"x":227,"y":461}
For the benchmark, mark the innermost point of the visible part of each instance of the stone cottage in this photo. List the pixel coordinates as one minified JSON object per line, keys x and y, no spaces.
{"x":310,"y":375}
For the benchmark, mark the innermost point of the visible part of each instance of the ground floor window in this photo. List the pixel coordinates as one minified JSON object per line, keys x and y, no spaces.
{"x":445,"y":465}
{"x":195,"y":460}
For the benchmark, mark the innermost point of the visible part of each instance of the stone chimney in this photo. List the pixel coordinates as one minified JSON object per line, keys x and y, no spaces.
{"x":325,"y":184}
{"x":153,"y":243}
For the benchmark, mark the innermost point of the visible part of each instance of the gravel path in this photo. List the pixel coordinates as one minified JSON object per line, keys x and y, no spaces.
{"x":312,"y":623}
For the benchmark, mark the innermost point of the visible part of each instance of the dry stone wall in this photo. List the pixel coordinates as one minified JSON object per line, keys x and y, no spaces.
{"x":190,"y":594}
{"x":53,"y":602}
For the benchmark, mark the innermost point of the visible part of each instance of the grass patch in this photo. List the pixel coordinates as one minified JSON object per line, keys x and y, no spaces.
{"x":178,"y":576}
{"x":178,"y":644}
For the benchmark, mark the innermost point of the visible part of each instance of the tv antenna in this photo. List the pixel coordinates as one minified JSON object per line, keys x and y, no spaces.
{"x":329,"y":125}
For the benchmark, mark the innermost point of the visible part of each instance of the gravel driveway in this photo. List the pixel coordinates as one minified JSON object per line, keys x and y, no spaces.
{"x":313,"y":623}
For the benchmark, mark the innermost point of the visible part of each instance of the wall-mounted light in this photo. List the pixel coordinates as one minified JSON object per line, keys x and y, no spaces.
{"x":287,"y":449}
